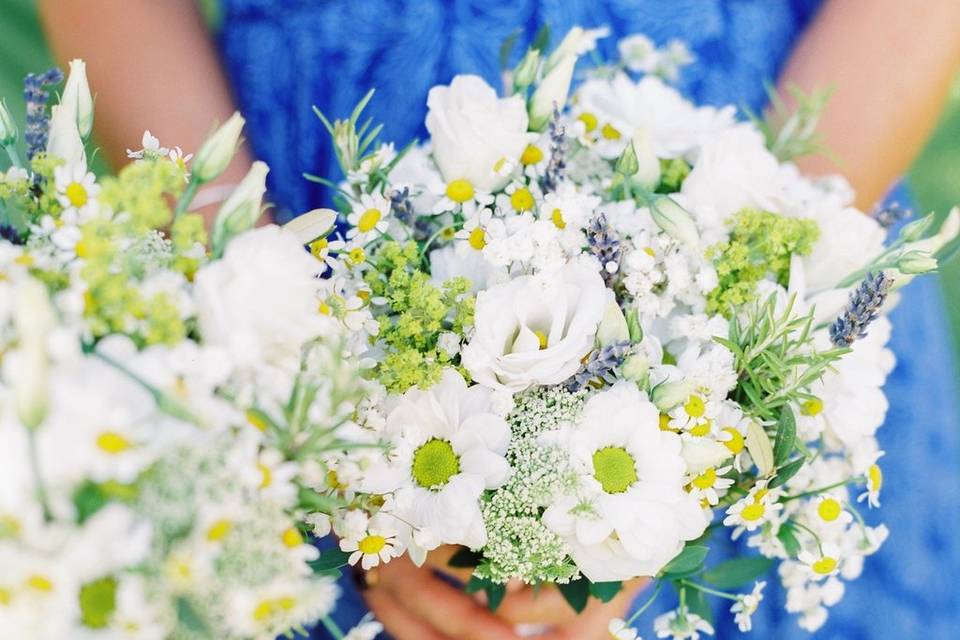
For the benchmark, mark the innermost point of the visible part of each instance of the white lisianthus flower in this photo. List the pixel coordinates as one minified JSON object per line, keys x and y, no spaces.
{"x":535,"y":329}
{"x":259,"y":300}
{"x":65,"y":141}
{"x":733,"y":170}
{"x":449,"y":448}
{"x":848,"y":240}
{"x":630,"y":515}
{"x":77,"y":99}
{"x":473,"y":131}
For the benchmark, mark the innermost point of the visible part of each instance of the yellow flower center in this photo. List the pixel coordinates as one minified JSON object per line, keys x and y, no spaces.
{"x":531,"y":155}
{"x":269,"y":607}
{"x":77,"y":194}
{"x":372,"y":544}
{"x":434,"y":463}
{"x":5,"y":596}
{"x":112,"y":443}
{"x":812,"y":407}
{"x":266,"y":476}
{"x":610,"y":132}
{"x":558,"y":220}
{"x":219,"y":530}
{"x":614,"y":469}
{"x":292,"y":538}
{"x":824,"y":566}
{"x":694,"y":406}
{"x":477,"y":239}
{"x":542,"y":337}
{"x":650,"y":252}
{"x":356,"y":256}
{"x":10,"y":526}
{"x":521,"y":200}
{"x":39,"y":583}
{"x":706,"y":479}
{"x":460,"y":190}
{"x":665,"y":422}
{"x":735,"y":443}
{"x":589,"y":121}
{"x":829,"y":509}
{"x":368,"y":220}
{"x":701,"y":429}
{"x":318,"y":247}
{"x":875,"y":477}
{"x":753,"y":512}
{"x":81,"y":249}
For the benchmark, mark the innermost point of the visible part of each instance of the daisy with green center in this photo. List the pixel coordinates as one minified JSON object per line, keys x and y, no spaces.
{"x":629,"y":514}
{"x":378,"y":543}
{"x":368,"y":217}
{"x":755,"y":509}
{"x":448,"y":448}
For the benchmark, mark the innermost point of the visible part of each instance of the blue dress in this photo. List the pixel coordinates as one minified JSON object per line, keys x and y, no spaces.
{"x":283,"y":56}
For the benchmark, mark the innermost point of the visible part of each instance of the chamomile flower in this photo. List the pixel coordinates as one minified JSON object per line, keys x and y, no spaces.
{"x":368,"y":217}
{"x":276,"y":477}
{"x":745,"y":606}
{"x":755,"y":509}
{"x":377,"y":544}
{"x":150,"y":148}
{"x":619,"y":630}
{"x":474,"y":229}
{"x":823,"y":563}
{"x":269,"y":610}
{"x":460,"y":195}
{"x":709,"y":485}
{"x":519,"y":198}
{"x":77,"y":190}
{"x":874,"y":484}
{"x":678,"y":625}
{"x":830,"y":512}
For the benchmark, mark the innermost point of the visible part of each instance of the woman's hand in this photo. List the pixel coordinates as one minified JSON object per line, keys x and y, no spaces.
{"x":414,"y":603}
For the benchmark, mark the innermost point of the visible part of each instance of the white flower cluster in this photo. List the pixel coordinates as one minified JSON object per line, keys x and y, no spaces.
{"x":602,"y":329}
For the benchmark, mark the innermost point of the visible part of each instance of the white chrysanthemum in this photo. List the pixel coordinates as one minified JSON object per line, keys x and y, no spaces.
{"x":449,"y":448}
{"x":535,"y":329}
{"x":630,"y":515}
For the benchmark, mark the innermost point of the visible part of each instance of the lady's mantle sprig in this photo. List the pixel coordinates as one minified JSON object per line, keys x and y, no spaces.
{"x":604,"y":245}
{"x":864,"y":307}
{"x":35,"y":95}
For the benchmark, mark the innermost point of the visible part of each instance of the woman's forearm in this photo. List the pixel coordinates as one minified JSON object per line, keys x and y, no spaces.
{"x":890,"y":63}
{"x":152,"y":66}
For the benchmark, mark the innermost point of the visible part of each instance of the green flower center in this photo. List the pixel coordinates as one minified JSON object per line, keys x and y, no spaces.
{"x":434,"y":463}
{"x":614,"y":469}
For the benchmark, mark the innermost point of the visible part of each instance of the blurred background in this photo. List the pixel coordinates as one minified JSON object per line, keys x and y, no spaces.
{"x":934,"y":179}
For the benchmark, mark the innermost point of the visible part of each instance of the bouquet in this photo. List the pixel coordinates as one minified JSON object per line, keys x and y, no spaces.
{"x":602,"y":328}
{"x":164,"y":408}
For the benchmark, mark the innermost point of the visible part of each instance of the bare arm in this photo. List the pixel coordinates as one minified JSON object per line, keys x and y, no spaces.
{"x":891,"y":63}
{"x":152,"y":66}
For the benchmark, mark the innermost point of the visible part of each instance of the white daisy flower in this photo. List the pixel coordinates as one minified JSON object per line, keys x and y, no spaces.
{"x":77,"y":189}
{"x":619,"y":630}
{"x":460,"y":195}
{"x":377,"y":544}
{"x":745,"y":606}
{"x":824,"y":563}
{"x":150,"y":148}
{"x":758,"y":507}
{"x":710,"y":485}
{"x":366,"y":629}
{"x":368,"y":217}
{"x":874,"y":484}
{"x":687,"y":626}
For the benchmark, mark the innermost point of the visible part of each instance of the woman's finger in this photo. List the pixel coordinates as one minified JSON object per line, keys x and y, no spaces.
{"x":439,"y":560}
{"x":400,"y":623}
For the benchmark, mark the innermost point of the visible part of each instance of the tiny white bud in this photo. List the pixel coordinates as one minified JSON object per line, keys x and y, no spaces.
{"x":613,"y":325}
{"x":675,"y":221}
{"x":635,"y":367}
{"x":218,"y":150}
{"x":242,"y":209}
{"x":668,"y":395}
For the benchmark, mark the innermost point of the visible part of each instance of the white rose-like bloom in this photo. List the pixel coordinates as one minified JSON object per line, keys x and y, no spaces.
{"x":472,"y":130}
{"x":535,"y":329}
{"x":632,"y":475}
{"x":733,"y":170}
{"x":259,"y":300}
{"x":848,"y":240}
{"x":449,"y":447}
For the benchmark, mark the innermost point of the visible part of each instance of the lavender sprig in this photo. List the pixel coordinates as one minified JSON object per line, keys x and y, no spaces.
{"x":604,"y":245}
{"x":863,"y":308}
{"x":601,"y":365}
{"x":558,"y":151}
{"x":35,"y":95}
{"x":892,"y":214}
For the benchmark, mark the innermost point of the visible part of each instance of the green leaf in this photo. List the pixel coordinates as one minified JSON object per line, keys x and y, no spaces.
{"x":689,"y":560}
{"x":786,"y":434}
{"x":576,"y":593}
{"x":737,"y":572}
{"x":605,"y":591}
{"x":698,"y":605}
{"x":98,"y":600}
{"x":506,"y":47}
{"x":189,"y":618}
{"x":329,"y":560}
{"x":89,"y":498}
{"x":789,"y":540}
{"x":542,"y":39}
{"x":758,"y":444}
{"x":786,"y":472}
{"x":464,"y":558}
{"x":495,"y":590}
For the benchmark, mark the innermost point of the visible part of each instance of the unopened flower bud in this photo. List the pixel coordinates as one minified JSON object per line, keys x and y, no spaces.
{"x":8,"y":128}
{"x":77,"y":98}
{"x":65,"y":141}
{"x":917,"y":229}
{"x":613,"y":326}
{"x":670,"y":394}
{"x":218,"y":150}
{"x":648,"y":164}
{"x":675,"y":221}
{"x":240,"y":211}
{"x":526,"y":70}
{"x":635,"y":367}
{"x":626,"y":164}
{"x":552,"y":91}
{"x":916,"y":262}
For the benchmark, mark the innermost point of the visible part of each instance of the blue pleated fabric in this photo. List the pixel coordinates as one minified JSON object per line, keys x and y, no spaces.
{"x":284,"y":56}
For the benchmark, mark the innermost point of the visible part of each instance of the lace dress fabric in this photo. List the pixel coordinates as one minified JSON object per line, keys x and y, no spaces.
{"x":283,"y":56}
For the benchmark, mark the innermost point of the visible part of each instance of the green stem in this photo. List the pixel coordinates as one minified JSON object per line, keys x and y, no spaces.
{"x":646,"y":605}
{"x":38,"y":478}
{"x":819,"y":490}
{"x":186,"y":197}
{"x":14,"y":156}
{"x":812,"y":533}
{"x":712,"y":592}
{"x":332,"y":628}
